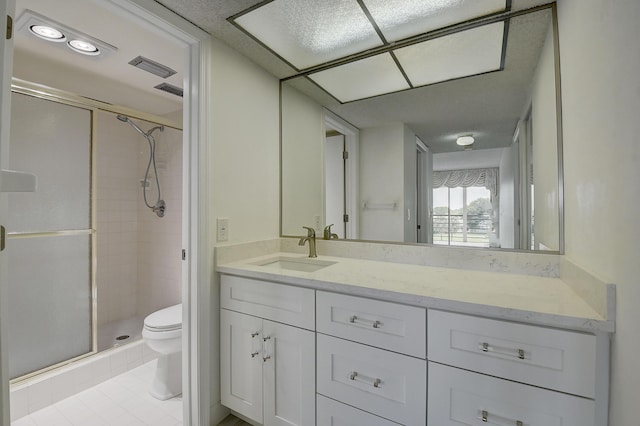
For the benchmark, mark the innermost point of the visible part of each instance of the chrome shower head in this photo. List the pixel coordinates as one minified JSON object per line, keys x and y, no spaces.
{"x":126,"y":119}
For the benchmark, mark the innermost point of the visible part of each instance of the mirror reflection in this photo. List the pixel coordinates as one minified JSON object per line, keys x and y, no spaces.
{"x":471,"y":161}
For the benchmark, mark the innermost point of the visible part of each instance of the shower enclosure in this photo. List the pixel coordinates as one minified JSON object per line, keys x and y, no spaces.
{"x":86,"y":254}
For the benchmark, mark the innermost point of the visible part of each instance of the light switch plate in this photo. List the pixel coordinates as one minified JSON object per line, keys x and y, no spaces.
{"x":222,"y":227}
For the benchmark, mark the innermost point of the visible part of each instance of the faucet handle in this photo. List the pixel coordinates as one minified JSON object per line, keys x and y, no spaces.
{"x":327,"y":232}
{"x":310,"y":231}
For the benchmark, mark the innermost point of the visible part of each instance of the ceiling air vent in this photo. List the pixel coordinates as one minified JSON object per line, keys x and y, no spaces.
{"x":165,"y":87}
{"x":152,"y":66}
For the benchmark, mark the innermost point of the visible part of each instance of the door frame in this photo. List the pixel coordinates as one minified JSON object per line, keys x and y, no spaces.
{"x":424,"y":193}
{"x":7,"y":9}
{"x":198,"y":268}
{"x":352,"y":193}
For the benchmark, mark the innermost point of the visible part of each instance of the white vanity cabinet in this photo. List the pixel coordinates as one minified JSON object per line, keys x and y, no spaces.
{"x":370,"y":356}
{"x":293,"y":355}
{"x":498,"y":372}
{"x":267,"y":367}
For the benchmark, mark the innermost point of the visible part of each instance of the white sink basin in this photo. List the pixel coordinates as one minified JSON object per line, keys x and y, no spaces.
{"x":304,"y":264}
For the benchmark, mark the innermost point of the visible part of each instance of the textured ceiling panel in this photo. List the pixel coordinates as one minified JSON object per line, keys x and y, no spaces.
{"x":211,"y":16}
{"x":307,"y":32}
{"x":373,"y":76}
{"x":398,"y":19}
{"x":461,"y":54}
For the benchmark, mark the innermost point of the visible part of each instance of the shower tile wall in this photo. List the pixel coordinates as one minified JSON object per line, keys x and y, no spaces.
{"x":160,"y":239}
{"x":138,"y":254}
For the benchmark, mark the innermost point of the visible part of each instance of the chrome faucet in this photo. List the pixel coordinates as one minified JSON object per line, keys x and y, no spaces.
{"x":327,"y":233}
{"x":311,"y":237}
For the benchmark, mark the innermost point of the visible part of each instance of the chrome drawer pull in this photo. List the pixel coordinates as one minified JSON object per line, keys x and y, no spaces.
{"x":486,"y":347}
{"x":485,"y":418}
{"x":254,"y":334}
{"x":364,"y":379}
{"x":354,"y":319}
{"x":254,"y":354}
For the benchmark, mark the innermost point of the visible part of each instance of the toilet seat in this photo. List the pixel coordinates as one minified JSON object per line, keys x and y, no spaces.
{"x":165,"y":320}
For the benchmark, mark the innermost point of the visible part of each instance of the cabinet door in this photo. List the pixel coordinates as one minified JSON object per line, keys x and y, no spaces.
{"x":241,"y":363}
{"x":289,"y":375}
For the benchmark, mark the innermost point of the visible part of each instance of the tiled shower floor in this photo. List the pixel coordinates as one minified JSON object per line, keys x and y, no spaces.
{"x":123,"y":400}
{"x":109,"y":332}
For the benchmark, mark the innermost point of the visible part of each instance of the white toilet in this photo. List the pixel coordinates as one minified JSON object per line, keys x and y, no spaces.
{"x":163,"y":333}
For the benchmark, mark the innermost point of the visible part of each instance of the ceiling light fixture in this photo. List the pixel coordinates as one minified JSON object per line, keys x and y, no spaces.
{"x":47,"y":33}
{"x":50,"y":30}
{"x":465,"y":140}
{"x":83,"y":47}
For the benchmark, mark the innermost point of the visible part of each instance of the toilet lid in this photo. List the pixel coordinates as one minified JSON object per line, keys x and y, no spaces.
{"x":165,"y":319}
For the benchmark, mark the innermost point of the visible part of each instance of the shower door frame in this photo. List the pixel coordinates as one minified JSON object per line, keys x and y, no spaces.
{"x":93,"y":107}
{"x":21,"y":88}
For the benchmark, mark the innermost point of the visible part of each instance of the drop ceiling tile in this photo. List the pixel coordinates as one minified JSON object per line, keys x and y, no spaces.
{"x":310,"y":32}
{"x":461,"y":54}
{"x":365,"y":78}
{"x":399,"y":19}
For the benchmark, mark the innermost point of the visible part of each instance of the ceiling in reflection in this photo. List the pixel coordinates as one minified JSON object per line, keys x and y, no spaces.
{"x":307,"y":33}
{"x":489,"y":104}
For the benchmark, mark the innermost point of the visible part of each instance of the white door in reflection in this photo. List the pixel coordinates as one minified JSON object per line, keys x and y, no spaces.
{"x":335,"y":194}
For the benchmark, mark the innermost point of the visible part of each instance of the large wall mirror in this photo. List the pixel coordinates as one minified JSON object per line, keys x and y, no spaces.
{"x":462,"y":149}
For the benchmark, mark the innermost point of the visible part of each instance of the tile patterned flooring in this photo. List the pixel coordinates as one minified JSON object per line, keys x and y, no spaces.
{"x":123,"y":400}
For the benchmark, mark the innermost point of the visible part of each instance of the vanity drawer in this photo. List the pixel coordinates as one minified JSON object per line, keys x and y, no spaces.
{"x":333,"y":413}
{"x":273,"y":301}
{"x":545,"y":357}
{"x":384,"y":383}
{"x":398,"y":328}
{"x":458,"y":397}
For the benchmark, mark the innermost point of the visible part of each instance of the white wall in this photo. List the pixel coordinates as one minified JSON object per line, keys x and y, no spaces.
{"x":244,"y":167}
{"x":601,"y":99}
{"x":245,"y":146}
{"x":508,"y":163}
{"x":475,"y":159}
{"x":382,"y":182}
{"x":545,"y":148}
{"x":302,"y":162}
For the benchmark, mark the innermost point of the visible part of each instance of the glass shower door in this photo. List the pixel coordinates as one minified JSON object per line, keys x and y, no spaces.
{"x":50,"y":236}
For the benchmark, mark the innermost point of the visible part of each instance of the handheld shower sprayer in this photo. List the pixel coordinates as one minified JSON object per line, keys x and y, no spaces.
{"x":160,"y":206}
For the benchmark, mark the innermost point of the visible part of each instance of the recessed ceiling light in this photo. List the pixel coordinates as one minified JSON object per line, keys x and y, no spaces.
{"x":50,"y":30}
{"x":84,"y":47}
{"x":47,"y":33}
{"x":465,"y":140}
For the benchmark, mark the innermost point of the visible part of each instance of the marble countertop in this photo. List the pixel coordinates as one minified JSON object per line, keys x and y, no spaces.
{"x":518,"y":297}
